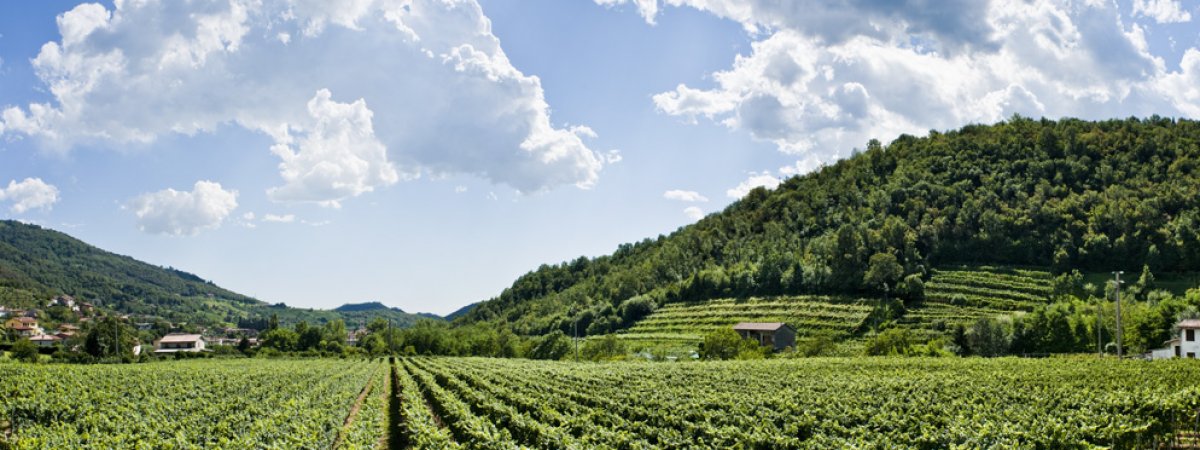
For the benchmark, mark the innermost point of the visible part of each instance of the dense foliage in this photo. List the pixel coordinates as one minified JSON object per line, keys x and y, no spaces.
{"x":1069,"y":194}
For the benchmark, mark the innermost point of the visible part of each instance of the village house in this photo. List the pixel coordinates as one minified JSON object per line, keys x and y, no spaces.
{"x":4,"y":312}
{"x":777,"y":335}
{"x":45,"y":340}
{"x":24,"y":326}
{"x":1185,"y":345}
{"x":66,"y":301}
{"x":173,"y":343}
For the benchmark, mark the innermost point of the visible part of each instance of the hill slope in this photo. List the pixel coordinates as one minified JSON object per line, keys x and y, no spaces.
{"x":1060,"y":195}
{"x":37,"y":264}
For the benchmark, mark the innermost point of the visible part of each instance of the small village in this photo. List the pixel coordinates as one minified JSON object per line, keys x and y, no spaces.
{"x":64,"y":322}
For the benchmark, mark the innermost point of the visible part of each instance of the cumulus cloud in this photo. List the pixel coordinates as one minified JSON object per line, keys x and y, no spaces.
{"x":1162,"y":11}
{"x":337,"y":156}
{"x":824,"y":77}
{"x":684,"y":196}
{"x":184,"y":213}
{"x":28,"y":194}
{"x":694,"y":212}
{"x":755,"y":180}
{"x":422,"y":86}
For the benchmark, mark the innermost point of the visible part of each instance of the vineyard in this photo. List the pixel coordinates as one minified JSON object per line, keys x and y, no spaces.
{"x":689,"y":322}
{"x":960,"y":296}
{"x":475,"y":403}
{"x":953,"y":296}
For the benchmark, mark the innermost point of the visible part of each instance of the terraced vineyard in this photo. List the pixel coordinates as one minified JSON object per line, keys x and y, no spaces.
{"x":688,"y":322}
{"x":782,"y":404}
{"x":960,"y":296}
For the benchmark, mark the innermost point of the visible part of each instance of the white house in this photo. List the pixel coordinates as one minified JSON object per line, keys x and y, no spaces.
{"x":1185,"y":346}
{"x":45,"y":340}
{"x":173,"y":343}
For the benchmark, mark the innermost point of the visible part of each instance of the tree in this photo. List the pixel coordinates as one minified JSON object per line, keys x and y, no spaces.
{"x":25,"y":350}
{"x":882,"y":269}
{"x":607,"y":347}
{"x":110,"y":337}
{"x":555,"y":345}
{"x":281,"y":339}
{"x":987,"y":337}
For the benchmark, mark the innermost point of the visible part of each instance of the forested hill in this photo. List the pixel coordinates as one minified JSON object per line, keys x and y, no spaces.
{"x":38,"y":263}
{"x":1062,"y":195}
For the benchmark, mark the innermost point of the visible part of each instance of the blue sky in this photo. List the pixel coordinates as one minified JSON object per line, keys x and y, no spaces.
{"x":426,"y":153}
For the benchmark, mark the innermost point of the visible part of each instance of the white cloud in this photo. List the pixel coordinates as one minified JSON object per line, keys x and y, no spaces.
{"x":337,"y":157}
{"x":1162,"y":11}
{"x":824,"y":77}
{"x":286,"y":218}
{"x":28,"y":194}
{"x":460,"y":189}
{"x":684,"y":196}
{"x":808,"y":164}
{"x":443,"y":96}
{"x":183,"y":213}
{"x":764,"y":179}
{"x":693,"y":212}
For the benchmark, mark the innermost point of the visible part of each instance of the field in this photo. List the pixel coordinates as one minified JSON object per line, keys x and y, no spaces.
{"x":476,"y":403}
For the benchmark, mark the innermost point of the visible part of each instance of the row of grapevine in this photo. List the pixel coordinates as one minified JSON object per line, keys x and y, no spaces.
{"x":690,"y":321}
{"x":180,"y":404}
{"x":815,"y":403}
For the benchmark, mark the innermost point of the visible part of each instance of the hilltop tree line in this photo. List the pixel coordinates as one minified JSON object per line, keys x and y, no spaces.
{"x":1068,"y":195}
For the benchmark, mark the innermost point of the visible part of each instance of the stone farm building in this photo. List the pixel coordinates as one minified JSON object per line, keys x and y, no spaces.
{"x":777,"y":335}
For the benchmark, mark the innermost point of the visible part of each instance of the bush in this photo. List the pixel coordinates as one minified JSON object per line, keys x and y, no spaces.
{"x":728,"y":344}
{"x":25,"y":350}
{"x":893,"y":341}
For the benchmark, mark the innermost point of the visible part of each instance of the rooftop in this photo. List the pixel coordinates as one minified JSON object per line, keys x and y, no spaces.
{"x":180,"y":338}
{"x":1189,"y":323}
{"x":759,"y":326}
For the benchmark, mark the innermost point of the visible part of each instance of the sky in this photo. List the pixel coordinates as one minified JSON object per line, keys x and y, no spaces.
{"x":425,"y":153}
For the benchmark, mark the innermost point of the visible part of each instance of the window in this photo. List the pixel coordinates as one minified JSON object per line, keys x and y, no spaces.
{"x":1192,"y":355}
{"x":1176,"y":351}
{"x":1191,"y":335}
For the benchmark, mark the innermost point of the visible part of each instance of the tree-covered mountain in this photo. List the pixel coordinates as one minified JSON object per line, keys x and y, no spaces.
{"x":38,"y":263}
{"x":1062,"y":195}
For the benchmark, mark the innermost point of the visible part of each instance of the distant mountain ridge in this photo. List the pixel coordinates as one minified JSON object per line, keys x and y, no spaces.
{"x":38,"y":263}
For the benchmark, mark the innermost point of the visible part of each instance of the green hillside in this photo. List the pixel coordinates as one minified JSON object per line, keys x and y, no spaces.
{"x":38,"y":263}
{"x":1056,"y":195}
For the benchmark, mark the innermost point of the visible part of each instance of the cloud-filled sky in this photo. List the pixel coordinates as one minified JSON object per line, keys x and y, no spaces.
{"x":424,"y":153}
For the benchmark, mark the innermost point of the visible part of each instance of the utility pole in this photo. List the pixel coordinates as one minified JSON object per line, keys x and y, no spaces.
{"x":1117,"y":285}
{"x":1099,"y":328}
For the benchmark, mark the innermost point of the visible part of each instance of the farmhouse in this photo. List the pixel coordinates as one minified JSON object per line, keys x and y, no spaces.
{"x":1185,"y":345}
{"x":173,"y":343}
{"x":777,"y":335}
{"x":45,"y":340}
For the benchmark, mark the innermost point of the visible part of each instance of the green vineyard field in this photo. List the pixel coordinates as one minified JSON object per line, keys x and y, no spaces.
{"x":480,"y":403}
